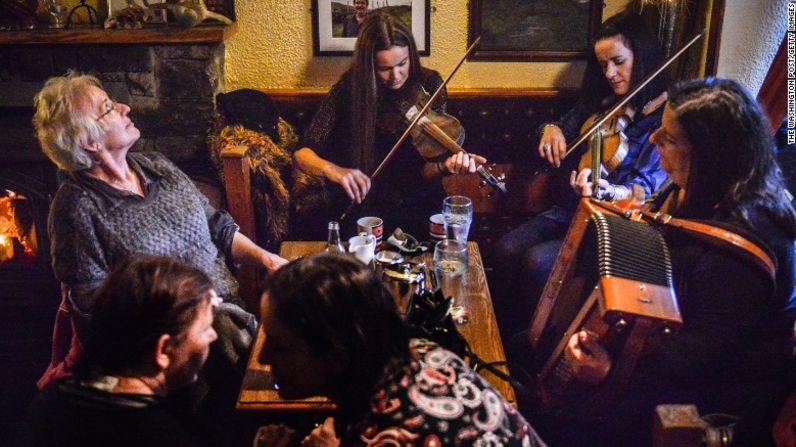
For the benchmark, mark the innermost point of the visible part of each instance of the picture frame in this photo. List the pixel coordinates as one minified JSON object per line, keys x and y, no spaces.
{"x":329,"y":16}
{"x":154,"y":18}
{"x":114,"y":6}
{"x":223,"y":7}
{"x":542,"y":30}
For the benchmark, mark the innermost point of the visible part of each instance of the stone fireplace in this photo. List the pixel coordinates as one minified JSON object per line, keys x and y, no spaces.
{"x":168,"y":77}
{"x":170,"y":86}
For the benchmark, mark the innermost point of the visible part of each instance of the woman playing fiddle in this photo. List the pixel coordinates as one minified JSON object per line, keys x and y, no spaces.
{"x":352,"y":131}
{"x":733,"y":354}
{"x":624,"y":53}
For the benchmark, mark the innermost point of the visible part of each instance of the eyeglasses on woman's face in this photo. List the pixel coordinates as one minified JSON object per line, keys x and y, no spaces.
{"x":108,"y":106}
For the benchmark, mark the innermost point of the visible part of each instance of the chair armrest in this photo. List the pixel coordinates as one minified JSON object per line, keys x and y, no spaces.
{"x":236,"y":166}
{"x":237,"y":184}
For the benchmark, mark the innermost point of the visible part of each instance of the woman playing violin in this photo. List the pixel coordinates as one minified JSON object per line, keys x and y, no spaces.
{"x":624,"y":53}
{"x":350,"y":134}
{"x":734,"y":352}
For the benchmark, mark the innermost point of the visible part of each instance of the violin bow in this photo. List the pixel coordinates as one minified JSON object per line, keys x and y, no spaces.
{"x":414,"y":122}
{"x":606,"y":116}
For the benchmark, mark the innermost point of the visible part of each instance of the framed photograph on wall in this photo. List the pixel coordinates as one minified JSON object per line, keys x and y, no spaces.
{"x":523,"y":30}
{"x":224,"y":7}
{"x":157,"y":17}
{"x":335,"y":23}
{"x":114,"y":6}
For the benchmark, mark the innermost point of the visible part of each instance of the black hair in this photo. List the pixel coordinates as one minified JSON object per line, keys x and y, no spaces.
{"x":141,"y":300}
{"x":647,"y":56}
{"x":337,"y":305}
{"x":732,"y":163}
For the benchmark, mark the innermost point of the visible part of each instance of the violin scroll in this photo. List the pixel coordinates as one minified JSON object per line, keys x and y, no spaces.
{"x":488,"y":178}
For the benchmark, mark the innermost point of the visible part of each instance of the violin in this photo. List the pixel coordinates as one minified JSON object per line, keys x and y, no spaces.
{"x":614,"y":145}
{"x":438,"y":134}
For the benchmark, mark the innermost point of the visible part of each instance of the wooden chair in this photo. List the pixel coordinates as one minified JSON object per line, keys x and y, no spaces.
{"x":238,"y":192}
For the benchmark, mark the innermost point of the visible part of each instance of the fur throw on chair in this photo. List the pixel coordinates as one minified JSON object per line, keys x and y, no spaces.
{"x":279,"y":190}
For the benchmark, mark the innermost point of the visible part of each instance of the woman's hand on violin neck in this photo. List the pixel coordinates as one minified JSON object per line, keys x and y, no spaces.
{"x":582,"y":184}
{"x":463,"y":163}
{"x":552,"y":145}
{"x":355,"y":183}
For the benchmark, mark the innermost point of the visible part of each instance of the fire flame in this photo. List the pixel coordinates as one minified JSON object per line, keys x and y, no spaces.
{"x":9,"y":229}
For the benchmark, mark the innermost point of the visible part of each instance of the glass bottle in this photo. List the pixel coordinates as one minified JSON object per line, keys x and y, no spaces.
{"x":333,"y":244}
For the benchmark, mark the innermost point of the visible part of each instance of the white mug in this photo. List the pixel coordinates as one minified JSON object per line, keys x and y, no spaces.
{"x":363,"y":247}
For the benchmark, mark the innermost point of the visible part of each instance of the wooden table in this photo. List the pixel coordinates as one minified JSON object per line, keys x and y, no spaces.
{"x":481,"y":332}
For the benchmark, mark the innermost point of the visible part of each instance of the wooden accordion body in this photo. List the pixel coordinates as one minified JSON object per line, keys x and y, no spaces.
{"x":612,"y":278}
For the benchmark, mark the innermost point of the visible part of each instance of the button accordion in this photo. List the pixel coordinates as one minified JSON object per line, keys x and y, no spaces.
{"x":612,"y":278}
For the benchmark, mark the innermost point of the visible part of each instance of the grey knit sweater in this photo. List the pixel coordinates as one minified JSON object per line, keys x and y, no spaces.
{"x":95,"y":226}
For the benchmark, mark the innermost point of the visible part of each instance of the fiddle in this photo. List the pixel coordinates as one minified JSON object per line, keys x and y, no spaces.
{"x":614,"y":145}
{"x":437,"y":134}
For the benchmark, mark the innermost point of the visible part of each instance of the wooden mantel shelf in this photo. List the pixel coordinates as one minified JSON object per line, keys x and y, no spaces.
{"x":93,"y":36}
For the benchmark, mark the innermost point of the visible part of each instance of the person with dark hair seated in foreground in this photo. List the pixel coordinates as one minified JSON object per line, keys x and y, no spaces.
{"x":734,"y":352}
{"x":332,"y":329}
{"x":150,"y":334}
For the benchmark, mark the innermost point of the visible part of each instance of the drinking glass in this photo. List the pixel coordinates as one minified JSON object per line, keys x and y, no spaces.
{"x":450,"y":265}
{"x":450,"y":258}
{"x":458,"y":214}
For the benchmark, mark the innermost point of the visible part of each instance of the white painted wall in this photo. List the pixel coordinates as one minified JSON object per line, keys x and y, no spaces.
{"x":750,"y":37}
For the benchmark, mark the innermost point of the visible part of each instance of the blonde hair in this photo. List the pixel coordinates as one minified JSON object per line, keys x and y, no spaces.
{"x":61,"y":126}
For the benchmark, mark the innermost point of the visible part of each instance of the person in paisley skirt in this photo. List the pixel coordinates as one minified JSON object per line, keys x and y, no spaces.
{"x":333,"y":329}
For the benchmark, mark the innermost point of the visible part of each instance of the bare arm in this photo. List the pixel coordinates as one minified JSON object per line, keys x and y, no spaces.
{"x":311,"y":163}
{"x":355,"y":183}
{"x":247,"y":252}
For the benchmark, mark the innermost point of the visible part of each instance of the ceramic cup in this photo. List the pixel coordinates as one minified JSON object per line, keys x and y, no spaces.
{"x":436,"y":227}
{"x":363,"y":247}
{"x":372,"y":225}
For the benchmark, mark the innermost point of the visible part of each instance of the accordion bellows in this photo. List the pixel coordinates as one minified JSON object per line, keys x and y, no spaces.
{"x":635,"y":269}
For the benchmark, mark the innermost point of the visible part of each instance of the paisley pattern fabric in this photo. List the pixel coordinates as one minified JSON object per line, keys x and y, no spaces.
{"x":439,"y":401}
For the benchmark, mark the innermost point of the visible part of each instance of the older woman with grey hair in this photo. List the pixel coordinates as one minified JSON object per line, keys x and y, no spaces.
{"x":115,"y":204}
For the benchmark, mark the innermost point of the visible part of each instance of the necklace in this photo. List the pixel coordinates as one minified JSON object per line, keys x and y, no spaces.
{"x":128,"y":184}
